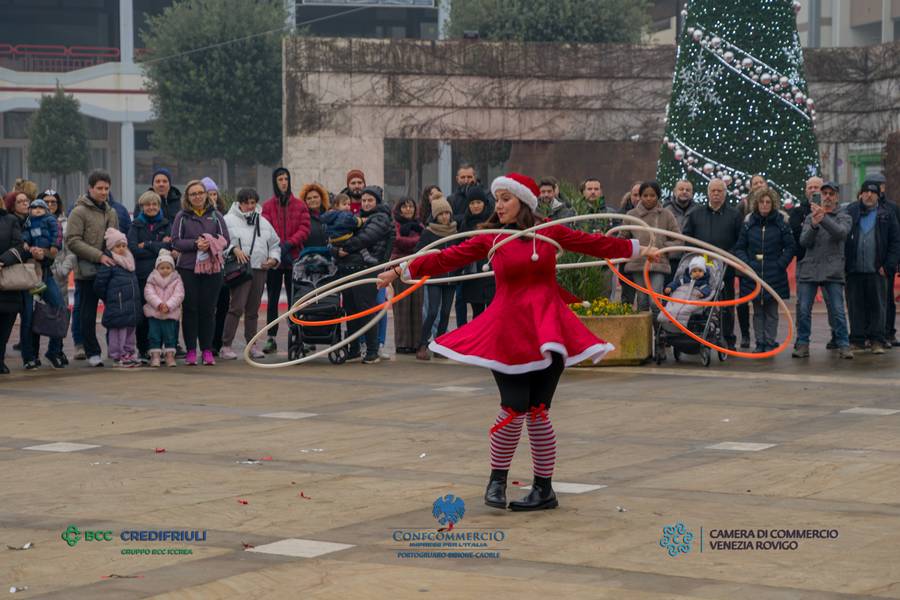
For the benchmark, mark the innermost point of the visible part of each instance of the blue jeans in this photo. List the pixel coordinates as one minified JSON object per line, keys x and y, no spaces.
{"x":31,"y":343}
{"x":833,"y":293}
{"x":162,"y":333}
{"x":382,"y":325}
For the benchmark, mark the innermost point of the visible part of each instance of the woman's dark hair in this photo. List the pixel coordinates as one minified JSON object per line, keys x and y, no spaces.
{"x":653,"y":185}
{"x":524,"y":220}
{"x":246,"y":194}
{"x":425,"y":203}
{"x":403,"y":201}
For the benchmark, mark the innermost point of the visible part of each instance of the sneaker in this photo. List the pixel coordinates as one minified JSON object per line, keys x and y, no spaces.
{"x":745,"y":343}
{"x":190,"y":357}
{"x":79,"y":353}
{"x":255,"y":352}
{"x":226,"y":353}
{"x":271,"y":346}
{"x":31,"y":365}
{"x":371,"y":359}
{"x":858,"y":347}
{"x":801,"y":351}
{"x":125,"y":363}
{"x":877,"y":348}
{"x":422,"y":353}
{"x":845,"y":352}
{"x":208,"y":358}
{"x":383,"y":354}
{"x":95,"y":361}
{"x":895,"y":343}
{"x":351,"y":356}
{"x":57,"y":361}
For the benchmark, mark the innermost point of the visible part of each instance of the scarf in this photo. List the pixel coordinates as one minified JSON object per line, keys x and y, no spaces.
{"x":126,"y":261}
{"x":250,"y":217}
{"x":214,"y":259}
{"x":442,"y":230}
{"x":143,"y":218}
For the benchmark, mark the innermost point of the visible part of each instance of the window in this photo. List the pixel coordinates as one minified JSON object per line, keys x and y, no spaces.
{"x":97,"y":129}
{"x":15,"y":125}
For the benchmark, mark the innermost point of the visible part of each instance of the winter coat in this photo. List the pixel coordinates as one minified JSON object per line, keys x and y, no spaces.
{"x":660,"y":218}
{"x":824,"y":247}
{"x":721,"y":228}
{"x":65,"y":261}
{"x":376,"y":236}
{"x":481,"y":290}
{"x":151,"y":234}
{"x":267,"y":243}
{"x":121,"y":295}
{"x":796,"y":217}
{"x":123,"y":215}
{"x":10,"y":239}
{"x":680,"y":214}
{"x":188,"y":227}
{"x":168,"y":290}
{"x":700,"y":285}
{"x":291,"y":223}
{"x":318,"y":232}
{"x":42,"y":232}
{"x":887,"y":238}
{"x":771,"y":238}
{"x":556,"y":210}
{"x":84,"y":235}
{"x":406,"y":234}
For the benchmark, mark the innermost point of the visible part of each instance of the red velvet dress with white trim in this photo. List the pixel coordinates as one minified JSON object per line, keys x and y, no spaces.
{"x":527,"y":320}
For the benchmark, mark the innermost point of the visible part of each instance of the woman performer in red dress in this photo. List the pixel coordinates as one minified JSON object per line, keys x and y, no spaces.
{"x":527,"y":335}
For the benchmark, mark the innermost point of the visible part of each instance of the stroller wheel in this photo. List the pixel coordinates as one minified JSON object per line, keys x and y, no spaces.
{"x":338,"y":357}
{"x":722,"y":357}
{"x":677,"y":354}
{"x":705,"y":356}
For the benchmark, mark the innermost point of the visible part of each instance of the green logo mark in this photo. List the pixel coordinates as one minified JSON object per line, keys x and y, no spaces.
{"x":71,"y":535}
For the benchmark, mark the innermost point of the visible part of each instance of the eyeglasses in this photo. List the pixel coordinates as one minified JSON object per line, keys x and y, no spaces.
{"x":196,"y":194}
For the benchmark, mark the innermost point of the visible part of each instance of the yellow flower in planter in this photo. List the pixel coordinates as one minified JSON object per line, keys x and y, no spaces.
{"x":601,"y":307}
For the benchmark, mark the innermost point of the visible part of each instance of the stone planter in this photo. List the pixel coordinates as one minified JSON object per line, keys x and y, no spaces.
{"x":632,"y":335}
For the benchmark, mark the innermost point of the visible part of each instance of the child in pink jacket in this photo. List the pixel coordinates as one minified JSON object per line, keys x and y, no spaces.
{"x":164,"y":294}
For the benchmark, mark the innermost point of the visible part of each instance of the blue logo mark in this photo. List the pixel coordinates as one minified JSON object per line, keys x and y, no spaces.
{"x":676,"y":539}
{"x":448,"y":510}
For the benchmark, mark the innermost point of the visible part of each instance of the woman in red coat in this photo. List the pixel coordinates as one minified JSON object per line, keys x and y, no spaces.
{"x":527,"y":335}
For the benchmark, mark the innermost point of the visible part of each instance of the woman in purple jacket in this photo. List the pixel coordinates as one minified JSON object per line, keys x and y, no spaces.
{"x":197,"y":219}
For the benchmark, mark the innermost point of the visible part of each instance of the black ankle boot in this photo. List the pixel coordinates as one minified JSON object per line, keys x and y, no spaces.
{"x":540,"y":497}
{"x":495,"y":494}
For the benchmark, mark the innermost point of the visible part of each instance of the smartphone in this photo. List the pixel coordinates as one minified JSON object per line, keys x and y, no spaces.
{"x":816,"y":198}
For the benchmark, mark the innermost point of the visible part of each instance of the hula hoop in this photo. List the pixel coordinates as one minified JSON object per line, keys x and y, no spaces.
{"x":755,"y":355}
{"x":354,"y":279}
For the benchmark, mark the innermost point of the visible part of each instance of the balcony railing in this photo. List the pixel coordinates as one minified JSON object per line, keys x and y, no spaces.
{"x":53,"y":58}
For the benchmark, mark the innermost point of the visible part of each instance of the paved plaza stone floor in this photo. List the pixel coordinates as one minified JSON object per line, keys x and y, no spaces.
{"x":347,"y":460}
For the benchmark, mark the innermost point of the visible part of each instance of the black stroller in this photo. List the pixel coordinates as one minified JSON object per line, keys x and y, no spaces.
{"x":310,"y":272}
{"x":704,"y":321}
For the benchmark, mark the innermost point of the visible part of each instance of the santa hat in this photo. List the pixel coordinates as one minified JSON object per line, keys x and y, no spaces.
{"x":522,"y":187}
{"x":697,"y":263}
{"x":114,"y":237}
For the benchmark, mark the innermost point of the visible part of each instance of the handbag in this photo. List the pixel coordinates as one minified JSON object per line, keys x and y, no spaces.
{"x":50,"y":321}
{"x":21,"y":276}
{"x":235,"y":272}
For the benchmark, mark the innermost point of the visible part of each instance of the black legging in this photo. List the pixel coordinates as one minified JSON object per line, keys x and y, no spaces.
{"x":7,"y":320}
{"x":201,"y":292}
{"x":526,"y":390}
{"x":274,"y":279}
{"x":222,"y":306}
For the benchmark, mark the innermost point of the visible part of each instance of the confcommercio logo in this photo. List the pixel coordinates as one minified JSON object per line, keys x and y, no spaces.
{"x":72,"y":535}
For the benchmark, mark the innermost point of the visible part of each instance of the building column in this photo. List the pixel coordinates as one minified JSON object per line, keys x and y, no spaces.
{"x":126,"y":31}
{"x":887,"y":22}
{"x":445,"y":149}
{"x":126,"y":159}
{"x":837,"y":23}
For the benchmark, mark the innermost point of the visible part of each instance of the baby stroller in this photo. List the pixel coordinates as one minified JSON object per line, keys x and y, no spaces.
{"x":311,"y":271}
{"x":705,"y":321}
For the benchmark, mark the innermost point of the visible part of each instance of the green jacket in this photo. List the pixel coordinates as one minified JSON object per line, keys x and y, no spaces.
{"x":85,"y":234}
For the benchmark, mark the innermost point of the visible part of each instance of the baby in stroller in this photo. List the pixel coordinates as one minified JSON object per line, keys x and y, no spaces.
{"x":693,"y":284}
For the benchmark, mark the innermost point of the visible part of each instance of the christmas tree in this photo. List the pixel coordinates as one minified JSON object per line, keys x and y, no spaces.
{"x":739,"y":101}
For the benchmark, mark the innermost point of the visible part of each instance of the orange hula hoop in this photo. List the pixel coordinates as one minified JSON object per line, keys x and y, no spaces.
{"x":364,"y":313}
{"x":657,"y":299}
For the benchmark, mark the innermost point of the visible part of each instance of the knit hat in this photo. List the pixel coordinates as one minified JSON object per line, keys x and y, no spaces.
{"x":697,"y":263}
{"x":164,"y":257}
{"x":522,"y":187}
{"x":439,"y":205}
{"x":870,"y":186}
{"x":374,"y":191}
{"x":114,"y":237}
{"x":161,"y":171}
{"x":476,"y":192}
{"x":354,"y":173}
{"x":210,"y":184}
{"x":39,"y":203}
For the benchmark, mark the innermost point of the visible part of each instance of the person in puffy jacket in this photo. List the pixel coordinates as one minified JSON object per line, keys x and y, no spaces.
{"x":164,"y":294}
{"x":194,"y":227}
{"x":117,"y":286}
{"x":254,"y":241}
{"x":766,"y":244}
{"x":376,"y":237}
{"x":150,"y":233}
{"x":477,"y":292}
{"x":407,"y":312}
{"x":290,"y":218}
